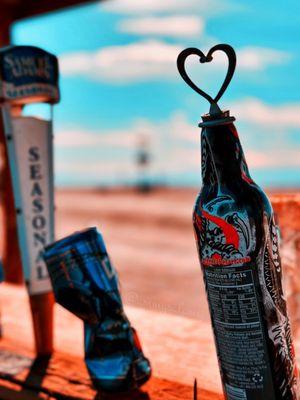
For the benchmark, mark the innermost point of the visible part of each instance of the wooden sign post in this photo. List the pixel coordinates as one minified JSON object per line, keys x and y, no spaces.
{"x":30,"y":75}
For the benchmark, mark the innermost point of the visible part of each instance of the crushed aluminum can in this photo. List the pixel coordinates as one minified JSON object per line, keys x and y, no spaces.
{"x":85,"y":283}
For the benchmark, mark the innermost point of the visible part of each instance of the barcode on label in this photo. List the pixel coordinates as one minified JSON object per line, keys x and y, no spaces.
{"x":234,"y":393}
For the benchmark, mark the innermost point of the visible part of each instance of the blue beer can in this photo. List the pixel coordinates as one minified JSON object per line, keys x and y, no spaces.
{"x":85,"y":283}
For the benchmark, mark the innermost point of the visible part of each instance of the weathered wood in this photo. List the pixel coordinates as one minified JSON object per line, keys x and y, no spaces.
{"x":10,"y":390}
{"x":19,"y":9}
{"x":154,"y":267}
{"x":180,"y":349}
{"x":65,"y":377}
{"x":10,"y":247}
{"x":9,"y":243}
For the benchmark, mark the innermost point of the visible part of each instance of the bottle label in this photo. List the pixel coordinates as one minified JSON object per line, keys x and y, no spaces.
{"x":238,"y":249}
{"x":239,"y":333}
{"x":231,"y":279}
{"x":247,"y":303}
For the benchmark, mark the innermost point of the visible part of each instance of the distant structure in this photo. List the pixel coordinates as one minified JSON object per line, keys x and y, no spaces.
{"x":12,"y":11}
{"x":143,"y":163}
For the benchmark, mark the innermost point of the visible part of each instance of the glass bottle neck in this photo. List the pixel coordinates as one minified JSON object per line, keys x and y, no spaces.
{"x":223,"y":160}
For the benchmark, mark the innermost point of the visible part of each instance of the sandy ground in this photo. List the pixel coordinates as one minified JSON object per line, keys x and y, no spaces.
{"x":150,"y":240}
{"x":151,"y":243}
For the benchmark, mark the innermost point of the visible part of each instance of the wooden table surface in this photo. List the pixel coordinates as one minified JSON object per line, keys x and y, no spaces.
{"x":174,"y":327}
{"x":179,"y":348}
{"x":65,"y":377}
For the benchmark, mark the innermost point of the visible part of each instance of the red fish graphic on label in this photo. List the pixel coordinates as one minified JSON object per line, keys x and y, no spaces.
{"x":224,"y":241}
{"x":230,"y":233}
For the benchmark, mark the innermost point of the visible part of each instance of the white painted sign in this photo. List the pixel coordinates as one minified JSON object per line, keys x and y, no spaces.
{"x":29,"y":142}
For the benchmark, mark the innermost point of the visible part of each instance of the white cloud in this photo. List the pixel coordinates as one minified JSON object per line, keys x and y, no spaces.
{"x":134,"y":62}
{"x":93,"y":169}
{"x":274,"y":158}
{"x":150,"y":6}
{"x":251,"y":59}
{"x":128,"y":168}
{"x":254,"y":111}
{"x":80,"y":138}
{"x":169,"y":146}
{"x":173,"y":26}
{"x":173,"y":144}
{"x":176,"y":128}
{"x":155,"y":59}
{"x":259,"y":58}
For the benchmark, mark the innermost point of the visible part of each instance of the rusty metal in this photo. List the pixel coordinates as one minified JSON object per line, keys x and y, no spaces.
{"x":229,"y":51}
{"x":195,"y":390}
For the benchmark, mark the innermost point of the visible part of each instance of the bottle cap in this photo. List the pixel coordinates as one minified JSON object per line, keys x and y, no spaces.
{"x":221,"y":118}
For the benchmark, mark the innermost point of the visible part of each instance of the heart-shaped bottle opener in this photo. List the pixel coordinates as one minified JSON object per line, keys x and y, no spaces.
{"x":229,"y":51}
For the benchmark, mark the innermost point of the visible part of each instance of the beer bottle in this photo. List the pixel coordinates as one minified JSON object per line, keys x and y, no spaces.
{"x":238,"y":249}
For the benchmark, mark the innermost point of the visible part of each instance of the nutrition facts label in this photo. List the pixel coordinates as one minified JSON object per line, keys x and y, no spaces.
{"x":239,"y":334}
{"x":235,"y":304}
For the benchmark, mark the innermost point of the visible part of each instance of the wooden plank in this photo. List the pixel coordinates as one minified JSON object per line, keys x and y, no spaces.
{"x":19,"y":9}
{"x":10,"y":390}
{"x":31,"y":7}
{"x":180,"y":348}
{"x":175,"y":345}
{"x":65,"y":377}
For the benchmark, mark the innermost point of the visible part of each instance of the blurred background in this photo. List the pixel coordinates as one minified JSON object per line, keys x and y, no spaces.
{"x":121,"y":93}
{"x":127,"y":145}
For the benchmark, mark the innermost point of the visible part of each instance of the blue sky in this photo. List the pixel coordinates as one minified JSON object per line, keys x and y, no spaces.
{"x":119,"y":84}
